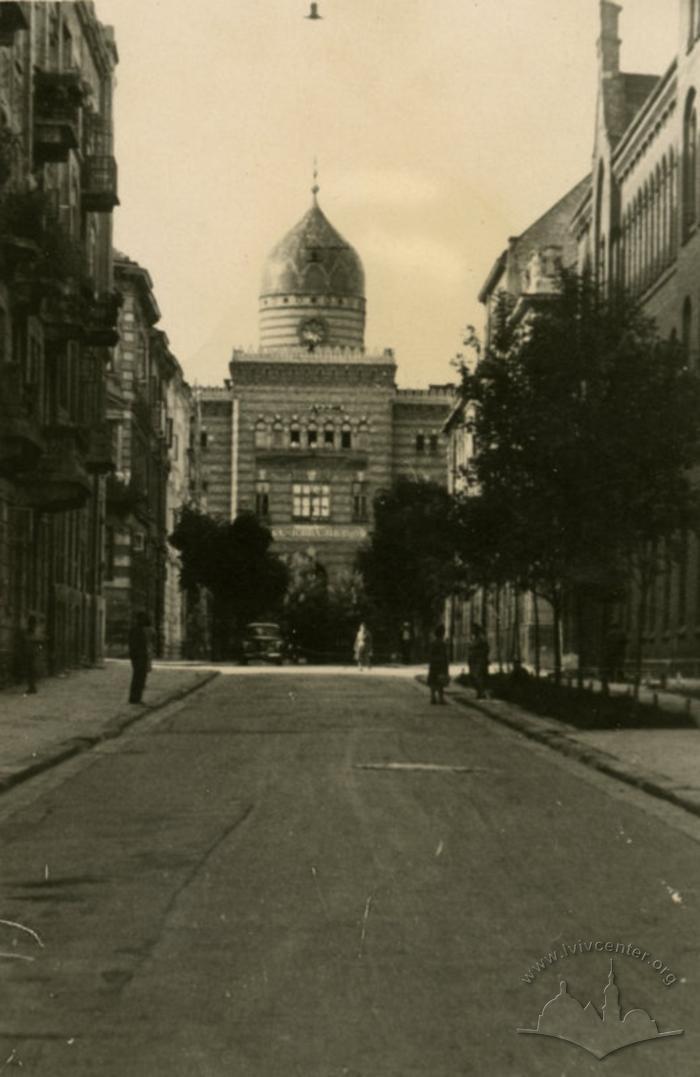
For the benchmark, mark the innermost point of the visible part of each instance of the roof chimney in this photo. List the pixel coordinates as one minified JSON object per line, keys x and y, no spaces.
{"x":609,"y":41}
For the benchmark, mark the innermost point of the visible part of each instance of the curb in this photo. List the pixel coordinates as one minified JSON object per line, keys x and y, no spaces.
{"x":556,"y":735}
{"x":113,"y":729}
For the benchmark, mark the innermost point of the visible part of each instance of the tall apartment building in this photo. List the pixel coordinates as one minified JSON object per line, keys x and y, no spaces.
{"x":58,"y":310}
{"x":635,"y":224}
{"x":151,"y":407}
{"x":638,"y":226}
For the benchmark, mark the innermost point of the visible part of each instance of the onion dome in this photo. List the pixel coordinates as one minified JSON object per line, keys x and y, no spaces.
{"x":313,"y":288}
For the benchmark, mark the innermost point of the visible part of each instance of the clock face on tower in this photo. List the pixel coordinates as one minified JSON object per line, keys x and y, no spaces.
{"x":313,"y":332}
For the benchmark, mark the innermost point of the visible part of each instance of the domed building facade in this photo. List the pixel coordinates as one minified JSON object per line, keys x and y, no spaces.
{"x":307,"y":429}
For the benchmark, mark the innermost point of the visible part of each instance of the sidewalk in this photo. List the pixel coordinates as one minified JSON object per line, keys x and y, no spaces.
{"x":662,"y":762}
{"x":73,"y":713}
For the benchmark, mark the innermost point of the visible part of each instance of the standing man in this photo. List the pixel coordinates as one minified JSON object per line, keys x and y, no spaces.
{"x":406,"y":640}
{"x":479,"y":659}
{"x":30,"y":646}
{"x":139,"y":653}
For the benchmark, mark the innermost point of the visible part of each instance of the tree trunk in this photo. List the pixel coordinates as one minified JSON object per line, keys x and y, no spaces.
{"x":579,"y":639}
{"x":556,"y":625}
{"x":536,"y":626}
{"x":497,"y":614}
{"x":639,"y":633}
{"x":605,"y":671}
{"x":515,"y":650}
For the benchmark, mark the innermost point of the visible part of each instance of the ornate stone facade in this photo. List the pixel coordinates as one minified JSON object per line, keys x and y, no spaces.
{"x":311,"y":427}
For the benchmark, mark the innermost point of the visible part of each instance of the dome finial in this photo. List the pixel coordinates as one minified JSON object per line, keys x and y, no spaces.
{"x":315,"y":189}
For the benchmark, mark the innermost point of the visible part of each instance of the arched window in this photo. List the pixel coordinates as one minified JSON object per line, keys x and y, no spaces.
{"x":312,"y":435}
{"x":690,"y":138}
{"x":673,"y":202}
{"x":664,"y":233}
{"x":687,"y":329}
{"x":346,"y":436}
{"x":362,"y":435}
{"x":329,"y":435}
{"x":599,"y":232}
{"x":691,"y":21}
{"x":294,"y":436}
{"x":277,"y":433}
{"x":262,"y":440}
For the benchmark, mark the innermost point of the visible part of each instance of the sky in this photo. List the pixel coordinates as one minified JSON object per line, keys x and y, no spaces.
{"x":441,"y":128}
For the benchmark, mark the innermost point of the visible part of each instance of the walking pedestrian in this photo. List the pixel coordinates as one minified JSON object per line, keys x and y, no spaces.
{"x":139,"y":653}
{"x":363,"y":647}
{"x":438,"y":668}
{"x":479,"y":659}
{"x":406,"y":641}
{"x":30,"y":648}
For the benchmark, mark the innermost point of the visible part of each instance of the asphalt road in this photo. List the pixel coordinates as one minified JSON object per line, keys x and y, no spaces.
{"x":292,"y":874}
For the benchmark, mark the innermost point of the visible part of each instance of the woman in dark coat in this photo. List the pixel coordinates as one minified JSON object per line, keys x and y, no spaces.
{"x":439,"y":669}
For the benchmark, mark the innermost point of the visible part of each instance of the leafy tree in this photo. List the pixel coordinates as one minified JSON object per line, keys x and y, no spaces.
{"x":233,"y":561}
{"x":409,"y":566}
{"x":585,"y":426}
{"x":322,"y":616}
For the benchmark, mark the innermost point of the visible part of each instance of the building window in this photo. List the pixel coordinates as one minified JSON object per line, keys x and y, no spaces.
{"x":261,"y":435}
{"x":262,"y":500}
{"x":295,"y":437}
{"x":346,"y":437}
{"x":420,"y":442}
{"x":433,"y":443}
{"x":169,"y":432}
{"x":690,"y":135}
{"x":312,"y":436}
{"x":277,"y":434}
{"x":203,"y":439}
{"x":329,"y":436}
{"x":109,"y":553}
{"x":363,"y":435}
{"x":139,"y":542}
{"x":311,"y":501}
{"x":176,"y":447}
{"x":359,"y":501}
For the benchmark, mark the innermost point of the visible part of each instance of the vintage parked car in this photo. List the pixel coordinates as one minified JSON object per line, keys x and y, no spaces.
{"x":263,"y":642}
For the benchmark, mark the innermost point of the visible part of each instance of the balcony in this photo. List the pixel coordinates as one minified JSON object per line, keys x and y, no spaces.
{"x":101,"y":320}
{"x":99,"y":457}
{"x":125,"y":497}
{"x":59,"y":481}
{"x":13,"y":19}
{"x":20,"y":440}
{"x":58,"y":97}
{"x":99,"y":187}
{"x":63,"y":316}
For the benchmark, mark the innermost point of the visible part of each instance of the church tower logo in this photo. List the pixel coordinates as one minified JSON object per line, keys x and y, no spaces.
{"x":564,"y":1018}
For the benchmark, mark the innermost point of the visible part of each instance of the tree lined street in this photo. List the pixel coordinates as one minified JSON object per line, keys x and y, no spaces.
{"x":317,"y":874}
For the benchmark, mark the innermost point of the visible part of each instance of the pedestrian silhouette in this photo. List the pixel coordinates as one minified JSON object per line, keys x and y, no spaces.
{"x":363,"y":647}
{"x":438,"y":668}
{"x":30,"y":647}
{"x":479,"y":659}
{"x":139,"y":653}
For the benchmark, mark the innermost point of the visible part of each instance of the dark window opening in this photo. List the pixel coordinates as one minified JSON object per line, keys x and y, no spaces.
{"x":420,"y":442}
